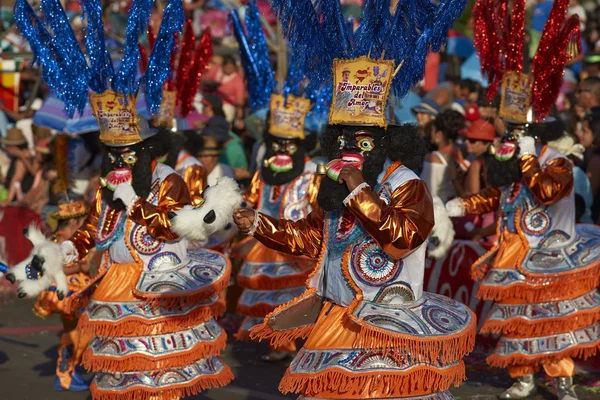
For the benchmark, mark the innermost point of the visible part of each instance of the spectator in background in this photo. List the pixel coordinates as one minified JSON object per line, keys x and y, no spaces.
{"x":588,"y":94}
{"x":454,"y":90}
{"x":426,"y":111}
{"x":591,"y":140}
{"x":443,"y":169}
{"x":19,"y":178}
{"x":217,"y":127}
{"x":478,"y":138}
{"x":227,"y":83}
{"x":207,"y":150}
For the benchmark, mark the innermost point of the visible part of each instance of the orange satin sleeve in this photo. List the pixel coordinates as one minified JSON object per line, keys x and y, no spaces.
{"x":401,"y":226}
{"x":486,"y":201}
{"x":550,"y":183}
{"x":302,"y":238}
{"x":84,"y":238}
{"x":252,"y":195}
{"x":313,"y":190}
{"x":172,"y":195}
{"x":194,"y":177}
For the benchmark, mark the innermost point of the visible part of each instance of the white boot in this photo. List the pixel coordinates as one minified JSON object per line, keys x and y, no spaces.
{"x":521,"y":389}
{"x":564,"y":388}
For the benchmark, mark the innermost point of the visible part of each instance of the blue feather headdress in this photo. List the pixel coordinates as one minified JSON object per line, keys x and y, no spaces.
{"x":71,"y":76}
{"x":399,"y":35}
{"x":260,"y":78}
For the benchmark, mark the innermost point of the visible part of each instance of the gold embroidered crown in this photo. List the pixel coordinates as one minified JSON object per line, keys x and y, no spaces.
{"x":117,"y":118}
{"x":361,"y":90}
{"x":287,"y":117}
{"x":515,"y":103}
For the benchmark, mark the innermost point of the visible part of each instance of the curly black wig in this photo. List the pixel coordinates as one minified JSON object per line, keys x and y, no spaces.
{"x":547,"y":131}
{"x":146,"y":151}
{"x":503,"y":173}
{"x":450,"y":123}
{"x":402,"y":143}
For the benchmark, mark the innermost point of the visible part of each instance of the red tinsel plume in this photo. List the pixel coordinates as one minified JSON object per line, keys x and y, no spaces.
{"x":202,"y":56}
{"x":514,"y":51}
{"x":185,"y":58}
{"x":554,"y":51}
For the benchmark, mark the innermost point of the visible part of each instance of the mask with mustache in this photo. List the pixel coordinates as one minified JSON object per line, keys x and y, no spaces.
{"x":284,"y":160}
{"x":348,"y":145}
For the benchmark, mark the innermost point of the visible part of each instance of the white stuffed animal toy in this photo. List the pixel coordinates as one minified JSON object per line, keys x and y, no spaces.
{"x":41,"y":269}
{"x":214,"y":215}
{"x":442,"y":234}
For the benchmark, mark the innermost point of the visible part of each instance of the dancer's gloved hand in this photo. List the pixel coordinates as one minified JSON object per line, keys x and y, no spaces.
{"x":244,"y":218}
{"x":526,"y":146}
{"x":455,"y":207}
{"x":69,"y":252}
{"x":126,"y":193}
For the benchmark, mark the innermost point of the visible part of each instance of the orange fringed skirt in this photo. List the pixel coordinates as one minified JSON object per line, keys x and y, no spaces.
{"x":48,"y":302}
{"x":329,"y":366}
{"x":269,"y":279}
{"x":142,"y":351}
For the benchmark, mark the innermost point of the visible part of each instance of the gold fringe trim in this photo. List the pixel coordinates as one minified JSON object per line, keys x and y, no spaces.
{"x":143,"y":362}
{"x":549,"y":326}
{"x":170,"y":393}
{"x":422,"y":380}
{"x":548,"y":289}
{"x":581,"y":351}
{"x":433,"y":348}
{"x":277,"y":338}
{"x":137,"y":326}
{"x":265,"y":282}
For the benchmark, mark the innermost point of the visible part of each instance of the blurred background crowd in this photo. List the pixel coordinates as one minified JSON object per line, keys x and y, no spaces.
{"x":449,"y":105}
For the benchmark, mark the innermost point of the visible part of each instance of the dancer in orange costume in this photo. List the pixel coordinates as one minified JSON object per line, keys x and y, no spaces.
{"x":70,"y":216}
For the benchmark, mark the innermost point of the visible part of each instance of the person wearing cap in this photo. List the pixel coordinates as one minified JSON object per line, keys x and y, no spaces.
{"x":233,"y":153}
{"x":207,"y":150}
{"x":479,"y":136}
{"x":426,"y":111}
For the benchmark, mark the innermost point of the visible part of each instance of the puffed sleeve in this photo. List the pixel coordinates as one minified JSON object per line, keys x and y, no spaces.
{"x":84,"y":237}
{"x":550,"y":183}
{"x":194,"y":177}
{"x":488,"y":200}
{"x":252,"y":195}
{"x":401,"y":226}
{"x":302,"y":238}
{"x":173,"y":194}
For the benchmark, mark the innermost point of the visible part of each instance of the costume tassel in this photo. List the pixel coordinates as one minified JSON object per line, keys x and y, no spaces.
{"x":101,"y":66}
{"x":125,"y":79}
{"x":185,"y":58}
{"x":202,"y":56}
{"x":159,"y":63}
{"x":551,"y":57}
{"x":67,"y":78}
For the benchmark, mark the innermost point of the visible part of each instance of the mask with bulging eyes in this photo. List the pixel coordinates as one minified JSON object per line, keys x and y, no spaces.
{"x":282,"y":161}
{"x":354,"y":147}
{"x":122,"y":159}
{"x":508,"y":146}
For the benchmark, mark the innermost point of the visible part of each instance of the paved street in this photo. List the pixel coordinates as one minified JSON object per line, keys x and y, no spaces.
{"x":28,"y":353}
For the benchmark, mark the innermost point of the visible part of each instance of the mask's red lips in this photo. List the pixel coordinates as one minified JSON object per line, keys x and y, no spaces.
{"x":334,"y":167}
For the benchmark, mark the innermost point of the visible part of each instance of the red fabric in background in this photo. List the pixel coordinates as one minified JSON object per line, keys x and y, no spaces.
{"x":14,"y":247}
